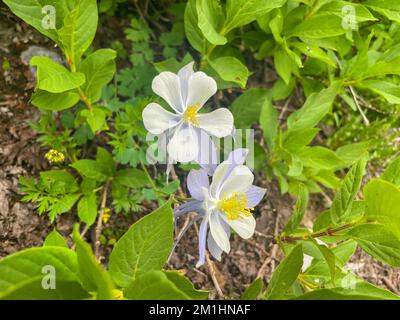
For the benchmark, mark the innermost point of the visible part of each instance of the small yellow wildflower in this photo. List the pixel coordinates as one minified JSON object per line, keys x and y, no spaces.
{"x":54,"y":156}
{"x":106,"y":215}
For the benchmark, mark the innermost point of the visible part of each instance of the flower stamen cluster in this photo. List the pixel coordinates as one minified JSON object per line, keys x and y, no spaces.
{"x":235,"y":206}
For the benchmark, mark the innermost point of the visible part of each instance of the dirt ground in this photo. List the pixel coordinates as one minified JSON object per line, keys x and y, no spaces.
{"x":21,"y":155}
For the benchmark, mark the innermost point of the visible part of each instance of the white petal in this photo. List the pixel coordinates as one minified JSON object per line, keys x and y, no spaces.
{"x":240,"y":180}
{"x":184,"y":144}
{"x":184,"y":74}
{"x":201,"y":88}
{"x":167,"y":86}
{"x":218,"y":232}
{"x":243,"y":226}
{"x":218,"y":178}
{"x":218,"y":123}
{"x":156,"y":119}
{"x":214,"y":249}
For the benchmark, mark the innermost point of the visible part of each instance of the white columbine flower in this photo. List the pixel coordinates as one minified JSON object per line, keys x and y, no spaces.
{"x":224,"y":204}
{"x":186,"y":93}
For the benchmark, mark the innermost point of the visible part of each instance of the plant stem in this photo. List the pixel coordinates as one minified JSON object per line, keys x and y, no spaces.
{"x":328,"y":232}
{"x":353,"y":93}
{"x":85,"y":99}
{"x":100,"y":218}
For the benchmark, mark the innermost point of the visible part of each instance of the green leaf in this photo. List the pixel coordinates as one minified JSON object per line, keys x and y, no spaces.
{"x":96,"y":118}
{"x":392,"y":172}
{"x":90,"y":169}
{"x":54,"y":239}
{"x":184,"y":285}
{"x":318,"y":26}
{"x":171,"y":187}
{"x":106,"y":162}
{"x":383,"y":204}
{"x":172,"y":64}
{"x":79,"y":29}
{"x":378,"y":241}
{"x":64,"y":205}
{"x":294,"y":141}
{"x":247,"y":107}
{"x":242,"y":12}
{"x":388,"y":8}
{"x":382,"y":68}
{"x":54,"y":77}
{"x":276,"y":26}
{"x":231,"y":69}
{"x":99,"y":68}
{"x":330,"y":259}
{"x":269,"y":122}
{"x":93,"y":275}
{"x":283,"y":64}
{"x":286,"y":274}
{"x":319,"y":158}
{"x":31,"y":12}
{"x":33,"y":290}
{"x":192,"y":31}
{"x":314,"y":109}
{"x":144,"y":247}
{"x":87,"y":208}
{"x":132,"y":178}
{"x":386,"y":89}
{"x":209,"y":20}
{"x":315,"y":52}
{"x":320,"y":269}
{"x":253,"y":290}
{"x":351,"y":153}
{"x":153,"y":285}
{"x":361,"y":291}
{"x":362,"y":14}
{"x":54,"y":101}
{"x":61,"y":181}
{"x":281,"y":90}
{"x":29,"y":268}
{"x":344,"y":198}
{"x":299,"y":210}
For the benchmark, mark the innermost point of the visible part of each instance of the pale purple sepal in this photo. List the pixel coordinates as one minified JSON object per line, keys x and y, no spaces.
{"x":254,"y":195}
{"x":191,"y":206}
{"x":202,"y":242}
{"x":196,"y":181}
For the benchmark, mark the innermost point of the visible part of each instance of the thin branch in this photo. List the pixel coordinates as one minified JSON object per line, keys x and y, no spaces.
{"x":365,"y":119}
{"x":187,"y":224}
{"x":328,"y":232}
{"x":271,"y":258}
{"x":100,"y":219}
{"x":212,"y":272}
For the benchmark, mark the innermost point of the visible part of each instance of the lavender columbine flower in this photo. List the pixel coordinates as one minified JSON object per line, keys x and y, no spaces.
{"x":224,"y":204}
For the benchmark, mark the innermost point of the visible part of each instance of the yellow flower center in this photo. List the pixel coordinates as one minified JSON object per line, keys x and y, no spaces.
{"x":235,"y":206}
{"x":54,"y":156}
{"x":191,"y":114}
{"x":106,"y":214}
